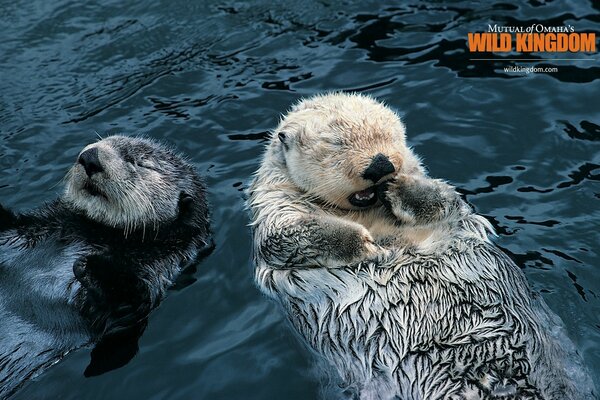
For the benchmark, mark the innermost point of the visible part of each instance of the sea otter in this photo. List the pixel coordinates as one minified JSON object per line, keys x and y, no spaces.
{"x":91,"y":265}
{"x":388,"y":275}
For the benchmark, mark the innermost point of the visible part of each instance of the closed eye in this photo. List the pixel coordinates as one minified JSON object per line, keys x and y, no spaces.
{"x":335,"y":141}
{"x":150,"y":167}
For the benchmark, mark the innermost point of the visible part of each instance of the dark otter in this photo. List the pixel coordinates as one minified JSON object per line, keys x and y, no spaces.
{"x":90,"y":266}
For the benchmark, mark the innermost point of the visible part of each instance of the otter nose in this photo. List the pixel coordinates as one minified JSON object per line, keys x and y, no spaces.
{"x":90,"y":161}
{"x":380,"y":166}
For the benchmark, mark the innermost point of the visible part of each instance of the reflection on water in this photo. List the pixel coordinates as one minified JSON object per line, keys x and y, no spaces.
{"x":212,"y":78}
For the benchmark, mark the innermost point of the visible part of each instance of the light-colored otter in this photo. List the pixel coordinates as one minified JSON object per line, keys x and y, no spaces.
{"x":90,"y":266}
{"x":388,"y":275}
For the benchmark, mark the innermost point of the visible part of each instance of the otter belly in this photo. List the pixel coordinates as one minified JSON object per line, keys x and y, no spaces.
{"x":39,"y":322}
{"x":426,"y":328}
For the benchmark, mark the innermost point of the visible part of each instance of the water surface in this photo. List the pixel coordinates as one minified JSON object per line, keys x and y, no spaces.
{"x":213,"y":77}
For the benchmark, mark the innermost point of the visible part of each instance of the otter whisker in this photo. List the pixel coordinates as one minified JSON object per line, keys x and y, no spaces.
{"x":63,"y":180}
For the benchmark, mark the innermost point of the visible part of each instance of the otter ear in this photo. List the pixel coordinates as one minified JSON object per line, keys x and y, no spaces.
{"x":284,"y":137}
{"x":7,"y":218}
{"x":185,"y":203}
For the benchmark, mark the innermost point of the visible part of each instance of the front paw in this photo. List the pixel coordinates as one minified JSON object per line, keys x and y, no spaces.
{"x":369,"y":247}
{"x":83,"y":272}
{"x":125,"y":316}
{"x":102,"y":276}
{"x":396,"y":196}
{"x":414,"y":199}
{"x":352,"y":243}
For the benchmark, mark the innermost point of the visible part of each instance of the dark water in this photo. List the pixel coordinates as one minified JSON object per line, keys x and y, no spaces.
{"x":213,"y":77}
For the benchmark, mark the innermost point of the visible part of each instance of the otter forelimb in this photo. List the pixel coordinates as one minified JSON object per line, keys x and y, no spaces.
{"x":419,"y":200}
{"x":317,"y":240}
{"x":114,"y":291}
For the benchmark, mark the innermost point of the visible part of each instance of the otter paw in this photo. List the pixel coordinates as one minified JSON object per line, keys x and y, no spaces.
{"x":86,"y":279}
{"x":105,"y":278}
{"x":371,"y":248}
{"x":353,"y":243}
{"x":125,"y":316}
{"x":417,"y":199}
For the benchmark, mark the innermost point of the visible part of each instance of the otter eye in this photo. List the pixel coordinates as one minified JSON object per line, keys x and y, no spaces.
{"x":128,"y":159}
{"x":335,"y":140}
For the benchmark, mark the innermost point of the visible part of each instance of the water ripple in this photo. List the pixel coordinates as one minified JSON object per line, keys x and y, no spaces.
{"x":213,"y":77}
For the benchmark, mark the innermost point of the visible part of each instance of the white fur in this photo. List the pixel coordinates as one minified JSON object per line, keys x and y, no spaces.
{"x":425,"y":310}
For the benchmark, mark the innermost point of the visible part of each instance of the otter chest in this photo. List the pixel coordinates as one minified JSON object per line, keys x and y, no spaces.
{"x":37,"y":282}
{"x":381,"y":317}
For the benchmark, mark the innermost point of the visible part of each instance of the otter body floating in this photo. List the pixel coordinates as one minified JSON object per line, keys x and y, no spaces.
{"x":91,"y":265}
{"x":388,"y":275}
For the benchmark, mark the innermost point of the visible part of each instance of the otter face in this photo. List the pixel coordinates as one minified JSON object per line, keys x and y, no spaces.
{"x":339,"y":147}
{"x":129,"y":183}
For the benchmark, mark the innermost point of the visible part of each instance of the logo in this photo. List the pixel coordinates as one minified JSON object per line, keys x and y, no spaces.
{"x":534,"y":38}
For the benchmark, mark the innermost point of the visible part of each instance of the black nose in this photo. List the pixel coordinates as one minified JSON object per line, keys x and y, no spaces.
{"x":91,"y":163}
{"x":380,"y":166}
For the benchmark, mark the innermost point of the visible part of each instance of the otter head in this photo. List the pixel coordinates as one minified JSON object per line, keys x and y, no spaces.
{"x":338,"y":147}
{"x":132,"y":183}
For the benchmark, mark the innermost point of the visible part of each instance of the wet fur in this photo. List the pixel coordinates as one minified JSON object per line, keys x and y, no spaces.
{"x":70,"y":277}
{"x":408,"y":299}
